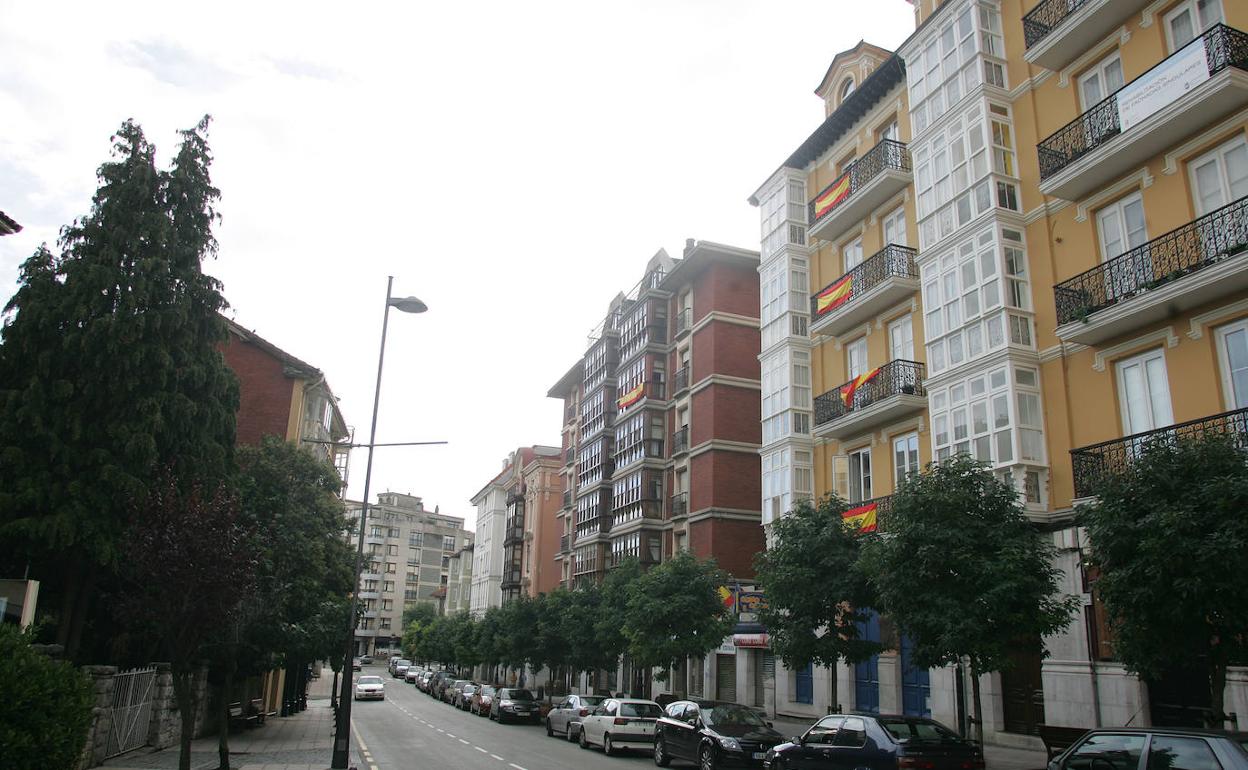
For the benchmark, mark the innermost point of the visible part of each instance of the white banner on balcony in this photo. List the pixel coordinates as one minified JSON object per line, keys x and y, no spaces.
{"x":1162,"y":85}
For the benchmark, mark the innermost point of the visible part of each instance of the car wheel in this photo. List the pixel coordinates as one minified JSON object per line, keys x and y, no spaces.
{"x":607,"y":748}
{"x":550,"y":731}
{"x":570,"y":733}
{"x":660,"y":753}
{"x":581,"y":739}
{"x":706,"y":758}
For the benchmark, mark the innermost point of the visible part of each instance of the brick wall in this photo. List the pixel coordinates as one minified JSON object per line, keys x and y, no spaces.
{"x":264,"y":392}
{"x":730,"y":542}
{"x":725,"y":412}
{"x":727,"y":288}
{"x":725,"y":348}
{"x":725,"y":480}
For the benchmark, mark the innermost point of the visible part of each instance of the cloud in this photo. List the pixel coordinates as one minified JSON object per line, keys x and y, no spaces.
{"x":171,"y":63}
{"x":301,"y":68}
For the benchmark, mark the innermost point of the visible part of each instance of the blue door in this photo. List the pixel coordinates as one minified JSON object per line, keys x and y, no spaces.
{"x":867,"y":673}
{"x":916,"y":685}
{"x":805,"y":680}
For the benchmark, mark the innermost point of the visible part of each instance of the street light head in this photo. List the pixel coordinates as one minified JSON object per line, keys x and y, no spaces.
{"x":408,"y":305}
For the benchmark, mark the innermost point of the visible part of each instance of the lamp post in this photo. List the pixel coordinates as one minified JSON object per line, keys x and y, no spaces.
{"x":342,"y":727}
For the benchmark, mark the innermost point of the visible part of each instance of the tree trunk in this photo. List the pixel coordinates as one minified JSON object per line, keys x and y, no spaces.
{"x":834,"y":706}
{"x":223,"y":716}
{"x":1217,"y":692}
{"x":69,"y":597}
{"x":979,"y":705}
{"x":182,"y":683}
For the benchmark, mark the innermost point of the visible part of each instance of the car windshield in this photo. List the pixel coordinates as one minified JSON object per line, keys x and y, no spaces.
{"x":732,"y":715}
{"x":402,"y":662}
{"x":645,"y":710}
{"x":370,"y":680}
{"x":469,"y":689}
{"x":487,"y":690}
{"x":919,"y":731}
{"x":592,"y":700}
{"x":518,"y":694}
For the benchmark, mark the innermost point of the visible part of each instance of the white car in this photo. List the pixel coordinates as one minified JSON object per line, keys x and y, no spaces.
{"x":620,"y":723}
{"x":370,"y":688}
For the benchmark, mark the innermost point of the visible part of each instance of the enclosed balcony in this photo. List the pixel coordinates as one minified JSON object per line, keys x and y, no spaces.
{"x":881,"y":395}
{"x":879,"y":282}
{"x":1188,"y":90}
{"x":1056,"y":32}
{"x":1185,"y":268}
{"x":1092,"y":464}
{"x":870,"y":180}
{"x":514,"y":533}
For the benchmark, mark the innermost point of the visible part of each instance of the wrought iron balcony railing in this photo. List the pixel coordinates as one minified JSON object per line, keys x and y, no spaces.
{"x":1092,"y":464}
{"x":896,"y":378}
{"x":680,"y":504}
{"x":567,"y":498}
{"x":1224,"y":47}
{"x":569,"y":455}
{"x":888,"y":154}
{"x":680,"y":441}
{"x":684,"y":321}
{"x":680,"y":380}
{"x":1203,"y":242}
{"x":892,"y":261}
{"x":565,"y":543}
{"x":1045,"y":18}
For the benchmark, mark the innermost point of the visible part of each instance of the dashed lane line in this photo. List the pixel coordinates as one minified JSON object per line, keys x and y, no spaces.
{"x":500,"y":759}
{"x":483,"y":751}
{"x":513,"y":764}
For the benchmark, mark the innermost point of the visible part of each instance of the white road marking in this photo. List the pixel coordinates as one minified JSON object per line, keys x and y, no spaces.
{"x":483,"y":751}
{"x":450,"y":735}
{"x":461,"y":740}
{"x":518,"y":767}
{"x":500,"y":759}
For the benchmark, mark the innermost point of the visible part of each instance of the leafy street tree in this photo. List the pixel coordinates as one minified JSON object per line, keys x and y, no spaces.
{"x":417,"y":620}
{"x":817,"y":592}
{"x":421,"y":612}
{"x":675,"y":612}
{"x":580,"y":630}
{"x":110,"y":370}
{"x":961,"y":570}
{"x":612,"y":609}
{"x":189,"y":564}
{"x":1165,"y":534}
{"x":46,"y":707}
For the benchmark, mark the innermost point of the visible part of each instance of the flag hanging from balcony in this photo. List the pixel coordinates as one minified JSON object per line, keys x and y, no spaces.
{"x":850,"y":388}
{"x":835,"y":295}
{"x":838,"y":192}
{"x":631,"y":397}
{"x":862,"y":518}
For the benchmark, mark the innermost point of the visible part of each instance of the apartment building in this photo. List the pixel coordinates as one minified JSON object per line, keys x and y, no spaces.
{"x":407,"y":552}
{"x":459,"y":582}
{"x":661,"y":435}
{"x":1054,"y":194}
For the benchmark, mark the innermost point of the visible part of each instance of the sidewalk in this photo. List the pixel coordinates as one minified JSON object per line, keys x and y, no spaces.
{"x":995,"y":757}
{"x":300,"y":742}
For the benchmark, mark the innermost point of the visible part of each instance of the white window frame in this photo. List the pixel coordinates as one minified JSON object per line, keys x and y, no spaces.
{"x":852,"y":249}
{"x":1218,"y":156}
{"x":1199,"y":25}
{"x":896,"y":221}
{"x":857,"y":476}
{"x":909,"y":444}
{"x":1100,"y":70}
{"x":851,"y":352}
{"x":1141,"y":360}
{"x":1224,"y":363}
{"x":907,"y":325}
{"x":1118,"y":210}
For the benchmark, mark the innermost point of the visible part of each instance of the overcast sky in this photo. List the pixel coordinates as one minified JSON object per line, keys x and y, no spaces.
{"x":513,"y":164}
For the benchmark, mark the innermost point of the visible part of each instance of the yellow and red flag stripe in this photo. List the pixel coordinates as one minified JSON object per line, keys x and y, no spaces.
{"x":861,"y":518}
{"x":631,"y":397}
{"x":850,"y":388}
{"x":835,"y":295}
{"x":838,"y":192}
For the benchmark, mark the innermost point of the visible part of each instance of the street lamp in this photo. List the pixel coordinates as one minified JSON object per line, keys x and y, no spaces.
{"x":342,"y":727}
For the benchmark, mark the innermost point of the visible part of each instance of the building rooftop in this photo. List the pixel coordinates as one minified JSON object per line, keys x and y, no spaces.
{"x":7,"y":225}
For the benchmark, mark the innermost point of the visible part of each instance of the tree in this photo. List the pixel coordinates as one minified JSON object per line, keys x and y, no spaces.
{"x":1164,"y":533}
{"x":675,"y":612}
{"x":612,"y":609}
{"x":46,"y":708}
{"x":817,"y":592}
{"x":110,"y":368}
{"x":421,"y":612}
{"x":189,"y":565}
{"x":417,"y":620}
{"x":963,"y":573}
{"x":580,"y":629}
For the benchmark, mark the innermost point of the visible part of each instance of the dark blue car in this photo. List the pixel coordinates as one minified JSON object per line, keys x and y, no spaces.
{"x":861,"y":742}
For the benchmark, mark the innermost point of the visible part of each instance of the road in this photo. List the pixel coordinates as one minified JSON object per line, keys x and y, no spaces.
{"x":411,"y":730}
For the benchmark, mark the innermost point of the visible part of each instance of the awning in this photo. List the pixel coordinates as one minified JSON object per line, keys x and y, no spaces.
{"x":751,"y":640}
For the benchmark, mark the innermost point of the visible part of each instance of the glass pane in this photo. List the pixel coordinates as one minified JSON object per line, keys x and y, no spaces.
{"x":1159,"y":392}
{"x":1107,"y":752}
{"x":1237,"y":171}
{"x":1208,"y":187}
{"x":1236,"y":347}
{"x":1139,"y":416}
{"x":1169,"y":752}
{"x":1181,"y":31}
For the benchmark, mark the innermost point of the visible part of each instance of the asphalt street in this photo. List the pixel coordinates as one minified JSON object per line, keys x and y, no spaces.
{"x":411,"y":730}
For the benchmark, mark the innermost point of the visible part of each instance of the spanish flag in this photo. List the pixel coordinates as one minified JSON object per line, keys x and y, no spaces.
{"x":725,"y":596}
{"x":631,"y":397}
{"x":862,"y":518}
{"x":838,"y":192}
{"x":850,"y":388}
{"x":835,"y":295}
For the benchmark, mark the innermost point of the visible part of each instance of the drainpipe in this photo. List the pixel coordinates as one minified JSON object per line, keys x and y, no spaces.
{"x":1089,"y":619}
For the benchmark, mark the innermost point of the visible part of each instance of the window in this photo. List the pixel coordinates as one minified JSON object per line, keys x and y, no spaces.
{"x":392,"y":550}
{"x":1107,"y":751}
{"x":847,"y":88}
{"x":901,"y":339}
{"x":1220,"y":177}
{"x":895,"y":227}
{"x":851,"y":254}
{"x":860,"y":475}
{"x":888,"y":132}
{"x":1233,"y":356}
{"x":1173,"y":752}
{"x":853,"y":733}
{"x":1144,"y":393}
{"x":855,"y":358}
{"x":1121,"y":227}
{"x":1101,"y":80}
{"x":905,"y":457}
{"x":1190,"y":18}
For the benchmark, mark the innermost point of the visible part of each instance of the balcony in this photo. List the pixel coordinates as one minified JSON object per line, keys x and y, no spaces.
{"x":1195,"y":264}
{"x":881,"y":281}
{"x":1056,"y":32}
{"x":565,"y":544}
{"x":680,"y":441}
{"x":680,"y":380}
{"x":511,"y":580}
{"x":569,"y":455}
{"x":514,"y":533}
{"x":680,"y":504}
{"x":869,"y":181}
{"x":643,"y":558}
{"x":567,"y":498}
{"x":882,"y":506}
{"x":1092,"y":464}
{"x":683,"y":322}
{"x":1188,"y":90}
{"x":882,"y":395}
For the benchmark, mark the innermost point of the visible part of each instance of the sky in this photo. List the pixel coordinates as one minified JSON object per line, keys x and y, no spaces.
{"x":513,"y":164}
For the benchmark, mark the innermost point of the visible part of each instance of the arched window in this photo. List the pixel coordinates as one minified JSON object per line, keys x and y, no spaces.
{"x":847,"y":88}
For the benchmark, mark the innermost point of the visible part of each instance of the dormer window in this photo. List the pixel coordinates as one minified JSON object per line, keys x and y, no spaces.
{"x":847,"y":88}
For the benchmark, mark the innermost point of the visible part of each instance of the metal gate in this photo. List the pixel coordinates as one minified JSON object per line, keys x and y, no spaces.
{"x":131,"y":710}
{"x":726,"y":678}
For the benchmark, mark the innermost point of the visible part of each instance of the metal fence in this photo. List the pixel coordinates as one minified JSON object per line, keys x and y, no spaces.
{"x":131,"y":709}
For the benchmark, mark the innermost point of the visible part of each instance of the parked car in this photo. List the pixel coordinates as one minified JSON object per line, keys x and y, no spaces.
{"x":515,"y":703}
{"x":366,"y":659}
{"x":713,"y":734}
{"x":1120,"y":748}
{"x":564,"y":717}
{"x":452,"y":690}
{"x":370,"y":688}
{"x":481,"y":700}
{"x":884,"y":742}
{"x":439,"y":682}
{"x":422,"y":680}
{"x":620,"y":723}
{"x":394,"y":664}
{"x":355,"y":664}
{"x":410,"y":675}
{"x":463,"y":698}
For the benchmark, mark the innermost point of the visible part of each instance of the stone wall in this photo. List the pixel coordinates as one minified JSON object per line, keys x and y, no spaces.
{"x":101,"y":715}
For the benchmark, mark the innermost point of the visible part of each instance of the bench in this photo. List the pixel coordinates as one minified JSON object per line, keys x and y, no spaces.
{"x":252,"y":716}
{"x":1057,"y":738}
